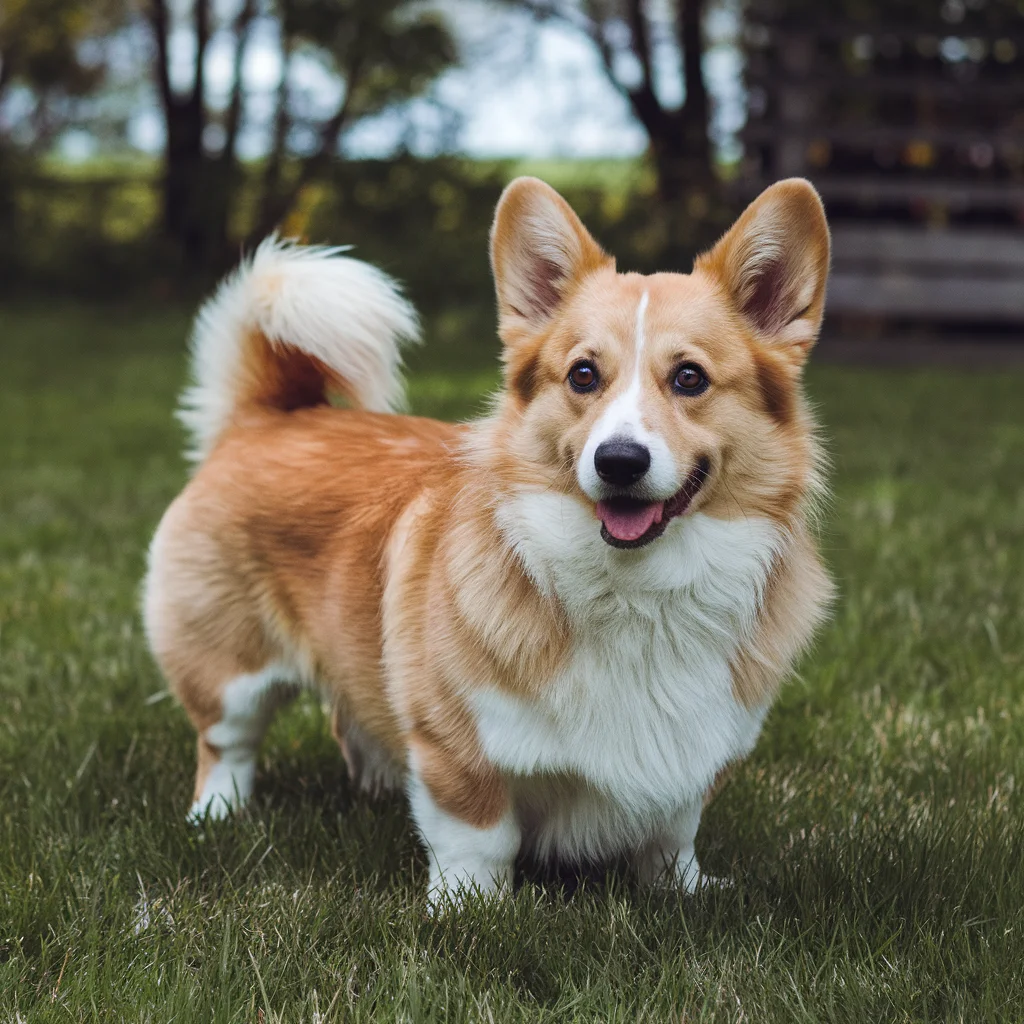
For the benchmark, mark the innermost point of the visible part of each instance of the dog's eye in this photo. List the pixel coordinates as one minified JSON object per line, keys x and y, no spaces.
{"x":583,"y":376}
{"x":689,"y":380}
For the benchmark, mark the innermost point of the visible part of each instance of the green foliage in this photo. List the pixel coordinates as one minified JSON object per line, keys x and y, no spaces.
{"x":426,"y":221}
{"x":874,"y":836}
{"x":91,"y":234}
{"x":40,"y":43}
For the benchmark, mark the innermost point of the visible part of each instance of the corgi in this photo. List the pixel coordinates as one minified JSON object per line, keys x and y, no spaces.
{"x":555,"y":627}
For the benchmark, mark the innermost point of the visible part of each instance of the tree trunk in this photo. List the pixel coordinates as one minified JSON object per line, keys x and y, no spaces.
{"x":680,"y":146}
{"x":682,"y":152}
{"x":184,"y":175}
{"x":196,"y":186}
{"x":697,"y":114}
{"x":682,"y":160}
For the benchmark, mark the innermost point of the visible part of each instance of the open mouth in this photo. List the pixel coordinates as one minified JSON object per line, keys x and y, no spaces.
{"x":632,"y":523}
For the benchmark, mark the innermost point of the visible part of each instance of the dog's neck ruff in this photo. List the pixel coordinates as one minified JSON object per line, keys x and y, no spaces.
{"x":718,"y":567}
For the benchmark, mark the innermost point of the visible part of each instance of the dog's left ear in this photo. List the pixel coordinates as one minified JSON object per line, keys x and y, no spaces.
{"x":539,"y":252}
{"x":773,"y":263}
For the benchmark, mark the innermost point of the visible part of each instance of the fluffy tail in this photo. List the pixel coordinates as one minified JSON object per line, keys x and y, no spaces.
{"x":290,"y":325}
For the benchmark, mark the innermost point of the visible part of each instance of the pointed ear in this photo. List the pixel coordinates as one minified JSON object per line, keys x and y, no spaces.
{"x":773,"y":263}
{"x":539,"y":251}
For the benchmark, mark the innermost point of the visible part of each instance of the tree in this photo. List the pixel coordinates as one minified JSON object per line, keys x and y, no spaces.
{"x":41,"y":51}
{"x":631,"y":36}
{"x":381,"y":51}
{"x":41,"y":58}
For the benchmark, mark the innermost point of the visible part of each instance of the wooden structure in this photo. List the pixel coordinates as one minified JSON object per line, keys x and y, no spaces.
{"x":911,"y":124}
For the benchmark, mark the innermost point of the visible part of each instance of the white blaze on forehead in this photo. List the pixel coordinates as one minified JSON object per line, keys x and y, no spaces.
{"x":626,"y":408}
{"x":640,"y":311}
{"x":624,"y":418}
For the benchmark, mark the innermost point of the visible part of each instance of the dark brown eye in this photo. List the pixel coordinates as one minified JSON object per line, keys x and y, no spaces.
{"x":689,"y":380}
{"x":583,"y":376}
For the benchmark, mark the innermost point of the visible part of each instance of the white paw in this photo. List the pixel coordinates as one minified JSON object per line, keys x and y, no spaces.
{"x":204,"y":810}
{"x":662,"y":869}
{"x":227,"y":789}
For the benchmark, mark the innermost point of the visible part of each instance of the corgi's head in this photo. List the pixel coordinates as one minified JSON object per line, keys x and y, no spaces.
{"x":649,"y":397}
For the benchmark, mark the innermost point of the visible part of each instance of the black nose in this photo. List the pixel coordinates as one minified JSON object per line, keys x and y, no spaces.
{"x":621,"y":462}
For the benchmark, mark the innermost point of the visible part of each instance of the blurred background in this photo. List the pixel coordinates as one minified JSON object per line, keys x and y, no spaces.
{"x":145,"y":143}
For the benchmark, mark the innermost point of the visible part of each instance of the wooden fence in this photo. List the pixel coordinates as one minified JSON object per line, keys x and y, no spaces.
{"x":913,"y":131}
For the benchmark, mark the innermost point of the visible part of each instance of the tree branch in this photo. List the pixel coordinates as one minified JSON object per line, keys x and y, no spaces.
{"x":6,"y":71}
{"x":242,"y":29}
{"x":277,"y":201}
{"x":201,"y":22}
{"x":158,"y":18}
{"x":588,"y":24}
{"x":642,"y":100}
{"x":330,"y":135}
{"x":691,"y":44}
{"x":282,"y":122}
{"x":679,"y":138}
{"x":641,"y":39}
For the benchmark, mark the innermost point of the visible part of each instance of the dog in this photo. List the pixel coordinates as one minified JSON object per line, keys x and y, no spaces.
{"x":553,"y":627}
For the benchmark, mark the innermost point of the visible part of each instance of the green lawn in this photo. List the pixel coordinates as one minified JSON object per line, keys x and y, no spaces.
{"x":876,"y":836}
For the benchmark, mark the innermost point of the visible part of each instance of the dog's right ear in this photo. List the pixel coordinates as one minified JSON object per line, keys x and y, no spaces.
{"x":773,"y":262}
{"x":539,"y":251}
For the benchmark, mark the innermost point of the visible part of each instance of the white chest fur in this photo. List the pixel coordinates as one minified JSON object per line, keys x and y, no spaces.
{"x":643,"y":716}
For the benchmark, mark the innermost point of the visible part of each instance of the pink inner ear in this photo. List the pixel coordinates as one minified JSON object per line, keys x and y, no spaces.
{"x":769,"y":303}
{"x":542,"y":280}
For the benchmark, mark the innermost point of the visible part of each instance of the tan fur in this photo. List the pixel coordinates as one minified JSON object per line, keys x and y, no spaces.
{"x":363,"y":547}
{"x":795,"y":600}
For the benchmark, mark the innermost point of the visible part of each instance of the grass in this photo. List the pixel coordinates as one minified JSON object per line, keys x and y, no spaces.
{"x":876,"y":836}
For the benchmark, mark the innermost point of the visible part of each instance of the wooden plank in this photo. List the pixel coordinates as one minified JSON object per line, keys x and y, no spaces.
{"x":879,"y":189}
{"x":767,"y":73}
{"x":779,"y":130}
{"x":831,"y":27}
{"x":949,"y":299}
{"x":1000,"y":252}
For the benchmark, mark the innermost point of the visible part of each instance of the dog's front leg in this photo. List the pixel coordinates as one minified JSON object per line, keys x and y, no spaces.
{"x":466,"y":820}
{"x":669,"y":858}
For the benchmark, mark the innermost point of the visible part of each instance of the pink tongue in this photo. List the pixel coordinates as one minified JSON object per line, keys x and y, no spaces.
{"x":629,"y":522}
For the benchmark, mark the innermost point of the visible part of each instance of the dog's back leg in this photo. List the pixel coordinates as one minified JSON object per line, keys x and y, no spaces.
{"x":371,"y":769}
{"x":210,"y":640}
{"x":229,"y":745}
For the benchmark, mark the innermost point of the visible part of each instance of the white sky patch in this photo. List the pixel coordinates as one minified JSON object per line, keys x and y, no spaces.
{"x":557,"y":102}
